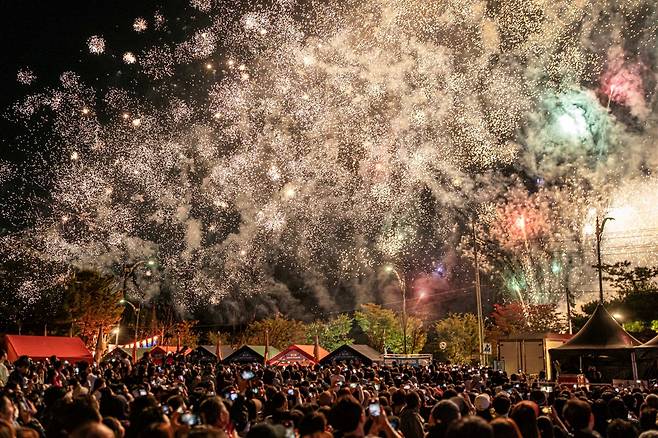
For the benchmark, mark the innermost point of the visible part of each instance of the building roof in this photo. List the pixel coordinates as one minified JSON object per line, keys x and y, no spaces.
{"x":600,"y":332}
{"x":306,"y":353}
{"x":42,"y":347}
{"x":363,"y":352}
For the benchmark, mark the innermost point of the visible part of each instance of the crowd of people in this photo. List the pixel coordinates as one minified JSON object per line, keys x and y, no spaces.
{"x":196,"y":397}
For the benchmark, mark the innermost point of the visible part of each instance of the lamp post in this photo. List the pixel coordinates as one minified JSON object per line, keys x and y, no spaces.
{"x":136,"y":310}
{"x":403,"y":289}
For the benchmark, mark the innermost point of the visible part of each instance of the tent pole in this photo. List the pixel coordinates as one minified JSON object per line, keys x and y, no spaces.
{"x":634,"y":364}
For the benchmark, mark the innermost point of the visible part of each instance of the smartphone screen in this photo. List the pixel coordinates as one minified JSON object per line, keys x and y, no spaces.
{"x":247,"y":375}
{"x":374,"y":409}
{"x":189,"y":419}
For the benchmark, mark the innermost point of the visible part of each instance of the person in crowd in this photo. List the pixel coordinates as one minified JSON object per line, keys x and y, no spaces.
{"x":578,"y":417}
{"x":411,"y":423}
{"x":186,"y":396}
{"x":443,"y":414}
{"x":619,"y":428}
{"x":470,"y":427}
{"x":215,"y":415}
{"x":505,"y":428}
{"x":501,"y":404}
{"x":4,"y":371}
{"x":525,"y":415}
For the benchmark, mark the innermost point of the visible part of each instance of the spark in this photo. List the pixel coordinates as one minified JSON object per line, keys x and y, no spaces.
{"x":129,"y":58}
{"x":96,"y":45}
{"x":140,"y":24}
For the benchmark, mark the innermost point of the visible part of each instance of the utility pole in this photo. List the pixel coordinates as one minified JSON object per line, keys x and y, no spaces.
{"x":566,"y":290}
{"x":478,"y":294}
{"x":599,"y":266}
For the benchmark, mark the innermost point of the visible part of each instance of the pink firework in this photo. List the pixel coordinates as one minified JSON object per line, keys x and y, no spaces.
{"x":519,"y":225}
{"x":622,"y":83}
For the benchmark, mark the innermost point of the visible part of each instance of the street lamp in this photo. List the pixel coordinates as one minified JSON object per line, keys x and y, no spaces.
{"x":403,"y":289}
{"x":136,"y":310}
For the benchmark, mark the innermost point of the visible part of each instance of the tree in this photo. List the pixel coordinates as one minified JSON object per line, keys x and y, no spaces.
{"x":380,"y":325}
{"x":383,"y":327}
{"x":460,"y":332}
{"x":514,"y":318}
{"x":416,"y":335}
{"x":182,"y":333}
{"x":91,"y":302}
{"x":222,"y":338}
{"x":628,"y":280}
{"x":331,"y":333}
{"x":283,"y":332}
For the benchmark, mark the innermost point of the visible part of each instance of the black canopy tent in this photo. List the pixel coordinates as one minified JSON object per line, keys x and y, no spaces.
{"x":210,"y":351}
{"x":353,"y":353}
{"x":647,"y":359}
{"x":602,"y":343}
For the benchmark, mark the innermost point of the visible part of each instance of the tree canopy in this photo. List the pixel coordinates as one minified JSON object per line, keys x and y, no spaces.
{"x":460,"y":333}
{"x":91,"y":302}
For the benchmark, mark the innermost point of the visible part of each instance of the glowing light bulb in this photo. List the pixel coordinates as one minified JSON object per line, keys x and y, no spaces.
{"x":208,"y":66}
{"x":85,"y":111}
{"x":137,"y":122}
{"x":74,"y":156}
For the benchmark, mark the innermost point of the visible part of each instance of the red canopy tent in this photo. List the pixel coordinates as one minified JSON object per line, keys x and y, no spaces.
{"x":302,"y":354}
{"x":42,"y":347}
